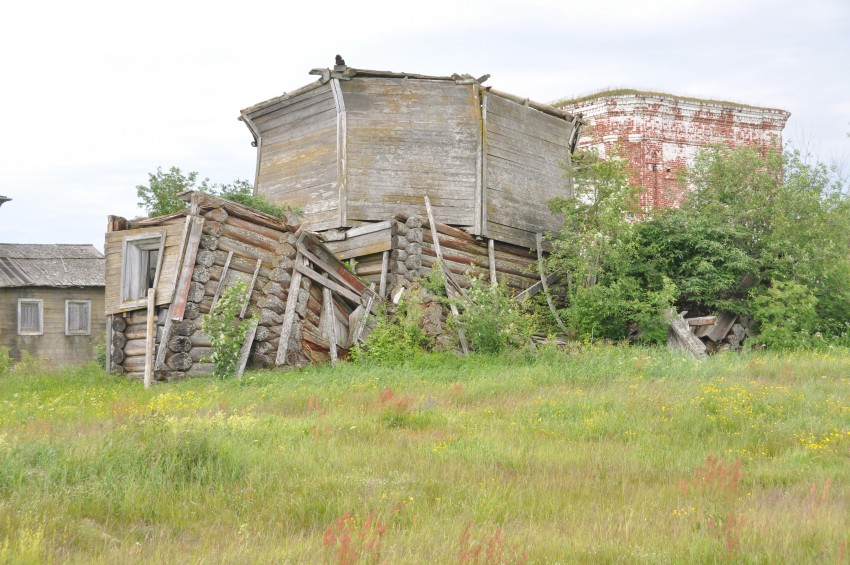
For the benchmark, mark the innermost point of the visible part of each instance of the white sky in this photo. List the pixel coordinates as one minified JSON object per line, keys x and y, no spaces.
{"x":95,"y":94}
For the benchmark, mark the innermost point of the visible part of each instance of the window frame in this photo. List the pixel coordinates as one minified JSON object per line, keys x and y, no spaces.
{"x":68,"y":302}
{"x":40,"y":302}
{"x":143,"y":242}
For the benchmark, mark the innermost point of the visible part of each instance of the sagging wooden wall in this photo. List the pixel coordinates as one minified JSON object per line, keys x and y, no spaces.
{"x":525,"y":153}
{"x":298,"y":152}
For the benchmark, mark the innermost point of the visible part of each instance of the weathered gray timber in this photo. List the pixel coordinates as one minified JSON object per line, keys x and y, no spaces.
{"x":358,"y":146}
{"x":226,"y":242}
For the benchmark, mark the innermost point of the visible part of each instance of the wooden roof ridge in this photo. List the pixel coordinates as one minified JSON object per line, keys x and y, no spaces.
{"x":204,"y":201}
{"x":343,"y":72}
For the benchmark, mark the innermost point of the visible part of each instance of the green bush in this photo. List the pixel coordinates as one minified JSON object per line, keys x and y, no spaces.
{"x":786,"y":317}
{"x":226,"y":330}
{"x":396,"y":336}
{"x":492,"y":321}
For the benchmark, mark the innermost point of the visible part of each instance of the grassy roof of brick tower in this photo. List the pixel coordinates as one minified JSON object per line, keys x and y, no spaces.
{"x":631,"y":91}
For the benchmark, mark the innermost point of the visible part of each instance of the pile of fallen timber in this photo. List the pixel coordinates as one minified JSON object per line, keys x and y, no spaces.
{"x":707,"y":334}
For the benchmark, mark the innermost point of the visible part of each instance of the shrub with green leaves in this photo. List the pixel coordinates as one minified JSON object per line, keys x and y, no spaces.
{"x":786,"y":316}
{"x":492,"y":321}
{"x":226,"y":329}
{"x":395,"y":337}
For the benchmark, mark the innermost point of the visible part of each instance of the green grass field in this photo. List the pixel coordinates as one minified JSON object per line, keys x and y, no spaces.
{"x":606,"y":455}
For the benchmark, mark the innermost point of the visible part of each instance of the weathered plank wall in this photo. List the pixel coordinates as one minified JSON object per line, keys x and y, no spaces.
{"x":173,"y":230}
{"x":298,"y":154}
{"x":524,"y":150}
{"x":54,"y":345}
{"x":409,"y":138}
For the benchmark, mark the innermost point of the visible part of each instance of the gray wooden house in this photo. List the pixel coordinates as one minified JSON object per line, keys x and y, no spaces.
{"x":51,"y":301}
{"x":358,"y":146}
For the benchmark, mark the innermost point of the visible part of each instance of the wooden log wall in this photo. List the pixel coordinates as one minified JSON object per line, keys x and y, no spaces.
{"x":232,"y":248}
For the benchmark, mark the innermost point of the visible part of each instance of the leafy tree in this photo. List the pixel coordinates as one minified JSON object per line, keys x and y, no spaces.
{"x":755,"y":233}
{"x":161,"y":195}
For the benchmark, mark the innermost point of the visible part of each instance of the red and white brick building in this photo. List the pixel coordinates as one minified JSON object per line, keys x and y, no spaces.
{"x":661,"y":134}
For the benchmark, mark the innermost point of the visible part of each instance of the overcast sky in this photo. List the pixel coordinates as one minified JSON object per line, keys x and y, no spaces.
{"x":94,"y":95}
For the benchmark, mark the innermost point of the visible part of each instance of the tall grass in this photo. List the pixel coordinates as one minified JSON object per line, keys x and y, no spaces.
{"x":609,"y":454}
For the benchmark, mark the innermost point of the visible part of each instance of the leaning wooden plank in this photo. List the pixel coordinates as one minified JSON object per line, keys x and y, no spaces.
{"x":163,"y":342}
{"x":683,"y":334}
{"x":361,"y":323}
{"x":314,"y":246}
{"x":544,"y":284}
{"x":331,"y":270}
{"x":330,"y":322}
{"x":289,"y":314}
{"x":722,"y":327}
{"x":185,"y":280}
{"x":367,"y":228}
{"x":250,"y":289}
{"x":246,"y":347}
{"x":222,"y":279}
{"x":535,"y":289}
{"x":326,"y":282}
{"x":449,"y":289}
{"x":151,"y":337}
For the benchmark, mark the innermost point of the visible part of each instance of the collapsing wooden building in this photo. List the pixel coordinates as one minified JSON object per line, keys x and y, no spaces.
{"x":164,"y":274}
{"x":358,"y":151}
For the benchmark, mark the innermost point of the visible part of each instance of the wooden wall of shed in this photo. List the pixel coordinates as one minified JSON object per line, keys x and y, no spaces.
{"x":409,"y":138}
{"x":298,"y":155}
{"x":53,"y":345}
{"x":523,"y":154}
{"x":113,"y":246}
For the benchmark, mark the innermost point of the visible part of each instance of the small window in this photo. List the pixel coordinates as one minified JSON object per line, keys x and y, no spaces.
{"x":30,"y":316}
{"x":140,"y":266}
{"x":78,"y":317}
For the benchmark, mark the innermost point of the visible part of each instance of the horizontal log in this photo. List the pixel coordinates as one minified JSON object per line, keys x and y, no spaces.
{"x":240,"y":264}
{"x":201,"y":354}
{"x":119,"y":324}
{"x":118,"y":340}
{"x":245,"y":250}
{"x":441,"y":228}
{"x":484,"y":264}
{"x":216,"y":215}
{"x":264,"y":231}
{"x":135,"y":347}
{"x":702,"y":321}
{"x":200,"y":339}
{"x":249,"y":238}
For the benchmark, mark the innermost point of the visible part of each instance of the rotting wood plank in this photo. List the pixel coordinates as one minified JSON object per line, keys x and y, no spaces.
{"x":702,"y":321}
{"x":326,"y":282}
{"x":222,"y":279}
{"x":246,"y":347}
{"x":491,"y":251}
{"x":545,"y":285}
{"x":719,"y":330}
{"x":450,"y":291}
{"x":185,"y":279}
{"x":250,"y":289}
{"x":330,"y":270}
{"x":385,"y":263}
{"x":289,"y":314}
{"x":330,"y":323}
{"x":534,"y":289}
{"x":679,"y":327}
{"x":314,"y":246}
{"x":367,"y":309}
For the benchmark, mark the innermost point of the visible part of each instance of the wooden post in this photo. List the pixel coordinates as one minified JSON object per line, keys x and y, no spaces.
{"x":449,"y":290}
{"x":289,"y":314}
{"x":109,"y":332}
{"x":150,"y":337}
{"x":545,"y":285}
{"x":361,"y":323}
{"x":385,"y":263}
{"x":491,"y":251}
{"x":330,"y":322}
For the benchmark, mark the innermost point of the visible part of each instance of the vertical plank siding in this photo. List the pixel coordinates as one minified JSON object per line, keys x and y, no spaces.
{"x":298,"y":154}
{"x":524,"y":153}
